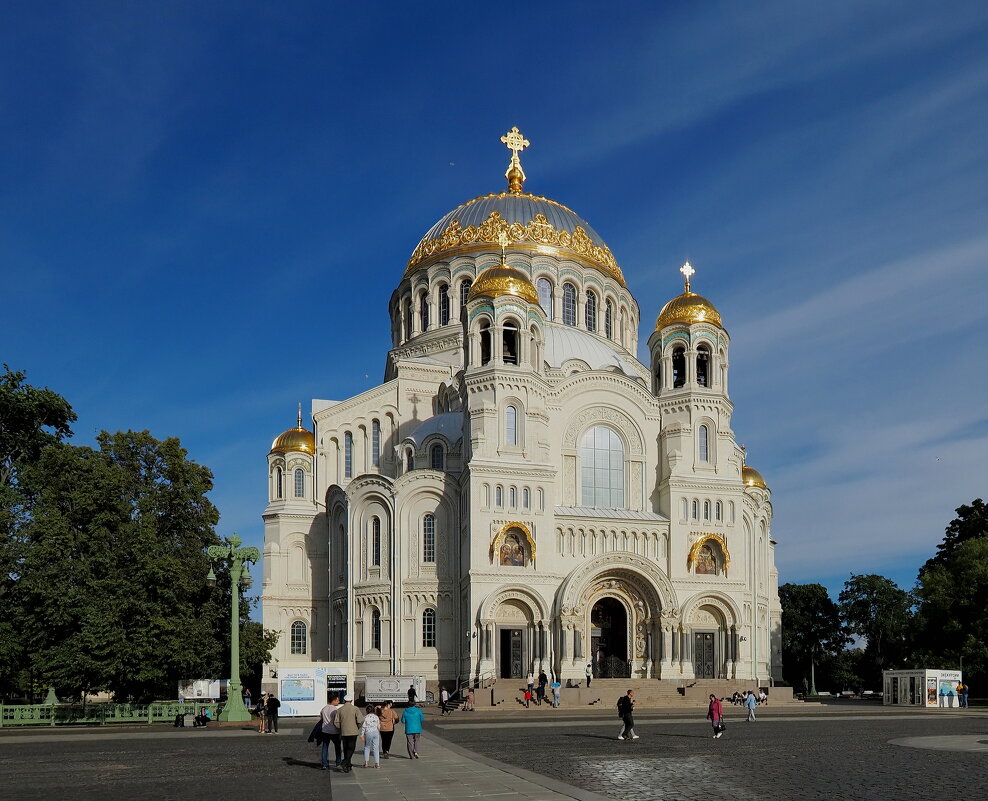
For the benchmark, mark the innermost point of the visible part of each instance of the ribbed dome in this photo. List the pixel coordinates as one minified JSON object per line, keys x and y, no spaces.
{"x":295,"y":439}
{"x":752,"y":478}
{"x":533,"y":223}
{"x":688,"y":308}
{"x":503,"y":280}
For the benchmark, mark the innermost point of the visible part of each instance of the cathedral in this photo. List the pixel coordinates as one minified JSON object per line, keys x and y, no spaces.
{"x":521,"y":492}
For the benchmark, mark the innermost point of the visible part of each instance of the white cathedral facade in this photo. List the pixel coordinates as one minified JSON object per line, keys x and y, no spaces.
{"x":521,"y":492}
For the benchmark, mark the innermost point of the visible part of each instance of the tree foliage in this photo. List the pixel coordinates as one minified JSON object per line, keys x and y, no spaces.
{"x":877,"y":609}
{"x":811,"y":629}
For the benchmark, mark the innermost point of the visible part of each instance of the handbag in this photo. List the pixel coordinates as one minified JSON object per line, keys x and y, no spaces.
{"x":721,"y":726}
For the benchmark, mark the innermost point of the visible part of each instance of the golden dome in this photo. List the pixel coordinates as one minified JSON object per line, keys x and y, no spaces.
{"x":688,"y":308}
{"x":752,"y":478}
{"x":503,"y":280}
{"x":295,"y":439}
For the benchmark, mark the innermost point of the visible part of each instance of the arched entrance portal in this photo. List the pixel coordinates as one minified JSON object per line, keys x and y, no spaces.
{"x":609,"y":639}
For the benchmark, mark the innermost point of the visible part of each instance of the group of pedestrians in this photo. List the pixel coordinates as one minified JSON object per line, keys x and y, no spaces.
{"x":267,"y":713}
{"x":537,"y":691}
{"x":341,"y":723}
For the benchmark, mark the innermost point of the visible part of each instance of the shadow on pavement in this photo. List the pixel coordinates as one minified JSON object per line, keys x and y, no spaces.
{"x":298,"y":763}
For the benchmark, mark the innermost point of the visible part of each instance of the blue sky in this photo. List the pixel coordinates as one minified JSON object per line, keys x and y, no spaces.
{"x":204,"y":208}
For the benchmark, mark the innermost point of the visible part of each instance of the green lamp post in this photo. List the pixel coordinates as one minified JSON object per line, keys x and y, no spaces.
{"x":238,"y":558}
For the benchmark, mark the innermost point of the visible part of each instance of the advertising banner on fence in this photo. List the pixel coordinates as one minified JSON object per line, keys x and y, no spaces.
{"x":302,"y":691}
{"x":201,"y":689}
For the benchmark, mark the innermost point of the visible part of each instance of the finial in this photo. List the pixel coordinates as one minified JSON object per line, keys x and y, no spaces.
{"x":503,"y":239}
{"x":516,"y":143}
{"x":687,"y":270}
{"x":300,"y":415}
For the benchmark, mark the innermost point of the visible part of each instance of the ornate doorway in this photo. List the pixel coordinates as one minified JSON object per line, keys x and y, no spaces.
{"x":609,"y":639}
{"x":703,"y":655}
{"x":511,"y":652}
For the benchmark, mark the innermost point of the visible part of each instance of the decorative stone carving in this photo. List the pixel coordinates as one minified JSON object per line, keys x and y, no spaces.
{"x":604,"y":414}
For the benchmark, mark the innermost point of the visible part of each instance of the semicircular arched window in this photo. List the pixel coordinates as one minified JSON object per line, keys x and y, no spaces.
{"x":569,"y":304}
{"x":429,"y":628}
{"x":299,"y":638}
{"x":544,"y":287}
{"x":602,"y":468}
{"x":299,"y":483}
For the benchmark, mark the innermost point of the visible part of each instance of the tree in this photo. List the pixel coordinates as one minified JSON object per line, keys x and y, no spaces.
{"x":877,"y":609}
{"x":971,"y":523}
{"x":811,"y":629}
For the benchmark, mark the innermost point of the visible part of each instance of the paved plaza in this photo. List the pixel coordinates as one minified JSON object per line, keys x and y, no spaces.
{"x":536,"y":755}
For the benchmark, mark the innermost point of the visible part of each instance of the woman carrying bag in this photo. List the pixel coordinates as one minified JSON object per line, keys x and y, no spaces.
{"x":715,"y":713}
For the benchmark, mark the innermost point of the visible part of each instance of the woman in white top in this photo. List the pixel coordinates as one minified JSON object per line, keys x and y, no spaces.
{"x":371,"y":732}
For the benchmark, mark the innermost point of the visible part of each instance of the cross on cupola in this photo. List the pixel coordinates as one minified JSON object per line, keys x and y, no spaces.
{"x":516,"y":143}
{"x":687,"y":271}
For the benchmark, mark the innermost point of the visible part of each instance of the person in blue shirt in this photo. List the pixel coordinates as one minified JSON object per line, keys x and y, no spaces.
{"x":412,"y":720}
{"x":751,"y":702}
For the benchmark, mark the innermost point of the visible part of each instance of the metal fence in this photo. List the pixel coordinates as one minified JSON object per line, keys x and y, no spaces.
{"x":100,"y":714}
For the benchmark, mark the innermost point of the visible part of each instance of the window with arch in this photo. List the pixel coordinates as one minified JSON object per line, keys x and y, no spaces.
{"x":703,"y":437}
{"x":706,"y":510}
{"x":376,"y":630}
{"x":279,"y":483}
{"x":513,"y":497}
{"x":465,"y":292}
{"x":429,"y":538}
{"x":511,"y":426}
{"x":569,"y":304}
{"x":609,"y":319}
{"x":408,"y":318}
{"x":719,"y":511}
{"x":683,"y":507}
{"x":299,"y":483}
{"x":376,"y":541}
{"x":590,"y":311}
{"x":424,"y":311}
{"x":299,"y":638}
{"x":678,"y":367}
{"x":696,"y":510}
{"x":444,"y":305}
{"x":526,"y":498}
{"x":498,"y":496}
{"x":376,"y":443}
{"x":544,"y":287}
{"x":487,"y":496}
{"x":485,"y":343}
{"x":436,"y":457}
{"x":730,"y":510}
{"x":429,"y":628}
{"x":703,"y":366}
{"x":348,"y":455}
{"x":410,"y":459}
{"x":602,"y":468}
{"x":541,"y":494}
{"x":509,"y":339}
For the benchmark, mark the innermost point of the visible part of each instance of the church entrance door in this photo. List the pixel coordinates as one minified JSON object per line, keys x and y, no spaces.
{"x":511,"y":657}
{"x":703,"y":654}
{"x":609,"y":639}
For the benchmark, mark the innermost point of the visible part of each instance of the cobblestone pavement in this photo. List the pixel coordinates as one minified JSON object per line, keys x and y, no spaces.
{"x":779,"y":756}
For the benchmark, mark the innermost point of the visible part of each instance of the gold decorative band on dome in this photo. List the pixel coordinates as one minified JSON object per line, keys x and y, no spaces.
{"x":703,"y":540}
{"x":538,"y":232}
{"x":505,"y":529}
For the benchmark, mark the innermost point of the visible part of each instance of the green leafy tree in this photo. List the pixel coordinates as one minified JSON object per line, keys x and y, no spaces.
{"x":811,"y":630}
{"x":971,"y":523}
{"x":877,"y":609}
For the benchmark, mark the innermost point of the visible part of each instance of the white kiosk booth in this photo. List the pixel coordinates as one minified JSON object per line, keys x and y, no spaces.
{"x":932,"y":689}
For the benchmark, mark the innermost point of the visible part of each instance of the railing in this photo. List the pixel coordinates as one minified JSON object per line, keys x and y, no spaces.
{"x":481,"y":682}
{"x":100,"y":714}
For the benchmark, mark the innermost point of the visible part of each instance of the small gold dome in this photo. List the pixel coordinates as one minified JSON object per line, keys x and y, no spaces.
{"x":688,"y":308}
{"x":752,"y":478}
{"x":503,"y":280}
{"x":295,"y":439}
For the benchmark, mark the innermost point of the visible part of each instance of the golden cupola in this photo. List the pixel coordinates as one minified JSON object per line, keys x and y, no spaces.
{"x":295,"y":439}
{"x":752,"y":478}
{"x":503,"y":280}
{"x":688,"y":308}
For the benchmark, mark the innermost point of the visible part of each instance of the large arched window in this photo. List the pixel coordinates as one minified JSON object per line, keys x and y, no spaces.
{"x":609,"y":320}
{"x":429,"y":628}
{"x":376,"y":541}
{"x":485,"y":343}
{"x":348,"y":455}
{"x":590,"y":311}
{"x":544,"y":288}
{"x":703,"y":443}
{"x":424,"y":311}
{"x":299,"y":638}
{"x":511,"y":426}
{"x":444,"y":305}
{"x":703,"y":366}
{"x":436,"y":457}
{"x":410,"y":459}
{"x":569,"y":304}
{"x":429,"y":538}
{"x":678,"y":367}
{"x":376,"y":443}
{"x":602,"y":466}
{"x":465,"y":292}
{"x":299,"y":483}
{"x":376,"y":630}
{"x":279,"y":483}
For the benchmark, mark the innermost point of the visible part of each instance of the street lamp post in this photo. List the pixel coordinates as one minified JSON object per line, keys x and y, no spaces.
{"x":238,"y":558}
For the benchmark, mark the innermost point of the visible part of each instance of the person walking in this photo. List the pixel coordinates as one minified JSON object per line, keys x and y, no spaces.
{"x":348,"y":720}
{"x":412,"y":695}
{"x":443,"y":701}
{"x":543,"y":681}
{"x":751,"y":702}
{"x":412,"y":720}
{"x":589,"y":672}
{"x":370,"y":730}
{"x":531,"y":684}
{"x":271,"y":714}
{"x":555,"y":693}
{"x":626,"y":709}
{"x":715,"y":714}
{"x":388,"y":718}
{"x":261,"y":710}
{"x":330,"y":731}
{"x":470,"y":706}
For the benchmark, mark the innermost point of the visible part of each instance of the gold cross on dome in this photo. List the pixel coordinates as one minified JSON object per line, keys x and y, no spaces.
{"x":503,"y":239}
{"x":687,"y":270}
{"x":515,"y":141}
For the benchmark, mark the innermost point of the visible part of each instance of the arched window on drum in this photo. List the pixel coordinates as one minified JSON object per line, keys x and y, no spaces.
{"x":544,"y":287}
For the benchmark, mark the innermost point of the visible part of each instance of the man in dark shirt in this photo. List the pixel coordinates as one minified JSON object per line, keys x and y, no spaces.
{"x":626,"y":708}
{"x":271,"y":718}
{"x":411,"y":695}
